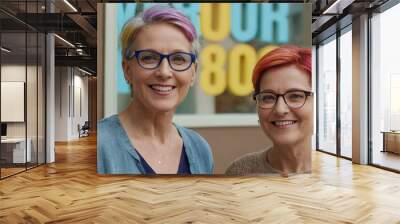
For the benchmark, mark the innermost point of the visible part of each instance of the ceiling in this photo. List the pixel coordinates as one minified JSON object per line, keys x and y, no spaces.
{"x":23,"y":21}
{"x":330,"y":15}
{"x":76,"y":22}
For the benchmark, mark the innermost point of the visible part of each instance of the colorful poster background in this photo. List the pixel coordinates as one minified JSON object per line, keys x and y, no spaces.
{"x":233,"y":37}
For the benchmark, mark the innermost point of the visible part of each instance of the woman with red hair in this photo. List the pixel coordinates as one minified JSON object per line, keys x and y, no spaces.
{"x":282,"y":83}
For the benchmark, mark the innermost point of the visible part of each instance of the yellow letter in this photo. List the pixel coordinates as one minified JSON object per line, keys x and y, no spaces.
{"x":215,"y":20}
{"x":242,"y":59}
{"x":213,"y":77}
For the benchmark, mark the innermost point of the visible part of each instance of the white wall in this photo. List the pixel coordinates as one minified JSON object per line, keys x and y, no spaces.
{"x":16,"y":73}
{"x":13,"y":72}
{"x":79,"y":117}
{"x":33,"y":126}
{"x":61,"y":103}
{"x":12,"y":101}
{"x":71,"y":93}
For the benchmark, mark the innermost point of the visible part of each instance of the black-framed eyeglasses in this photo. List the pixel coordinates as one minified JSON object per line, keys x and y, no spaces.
{"x":294,"y":98}
{"x":149,"y":59}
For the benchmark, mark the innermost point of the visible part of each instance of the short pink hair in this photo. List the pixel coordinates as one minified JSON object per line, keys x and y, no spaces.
{"x":282,"y":56}
{"x":152,"y":15}
{"x":160,"y":13}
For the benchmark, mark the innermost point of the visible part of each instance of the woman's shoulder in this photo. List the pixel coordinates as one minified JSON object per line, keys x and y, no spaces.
{"x":108,"y":122}
{"x":249,"y":163}
{"x":108,"y":131}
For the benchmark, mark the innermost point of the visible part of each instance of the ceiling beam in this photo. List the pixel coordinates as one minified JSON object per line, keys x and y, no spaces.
{"x":84,"y":24}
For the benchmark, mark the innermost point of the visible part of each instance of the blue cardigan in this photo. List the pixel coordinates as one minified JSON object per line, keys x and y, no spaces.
{"x":116,"y":155}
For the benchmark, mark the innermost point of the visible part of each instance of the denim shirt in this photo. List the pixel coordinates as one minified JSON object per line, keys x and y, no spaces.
{"x":116,"y":154}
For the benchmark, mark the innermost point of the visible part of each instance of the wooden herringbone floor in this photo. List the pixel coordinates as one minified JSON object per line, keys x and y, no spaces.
{"x":70,"y":191}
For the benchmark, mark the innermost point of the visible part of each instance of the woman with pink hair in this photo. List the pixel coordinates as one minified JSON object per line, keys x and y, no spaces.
{"x":159,"y":49}
{"x":282,"y":83}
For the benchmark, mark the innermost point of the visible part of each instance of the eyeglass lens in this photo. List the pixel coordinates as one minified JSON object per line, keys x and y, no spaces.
{"x":293,"y":99}
{"x":177,"y":61}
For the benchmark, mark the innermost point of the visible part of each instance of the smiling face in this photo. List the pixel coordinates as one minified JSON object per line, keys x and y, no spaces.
{"x":160,"y":89}
{"x":282,"y":124}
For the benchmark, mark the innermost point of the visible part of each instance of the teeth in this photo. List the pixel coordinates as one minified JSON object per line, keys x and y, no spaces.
{"x":162,"y":88}
{"x":281,"y":123}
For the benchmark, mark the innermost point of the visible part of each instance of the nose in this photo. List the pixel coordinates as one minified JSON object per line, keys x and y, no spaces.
{"x":164,"y":71}
{"x":280,"y":106}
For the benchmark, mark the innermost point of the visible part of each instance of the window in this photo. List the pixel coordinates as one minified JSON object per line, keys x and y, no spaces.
{"x":327,"y":96}
{"x":385,"y":88}
{"x":22,"y":64}
{"x":346,"y":93}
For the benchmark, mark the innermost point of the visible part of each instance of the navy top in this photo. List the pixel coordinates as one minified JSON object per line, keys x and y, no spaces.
{"x":116,"y":153}
{"x":182,"y":169}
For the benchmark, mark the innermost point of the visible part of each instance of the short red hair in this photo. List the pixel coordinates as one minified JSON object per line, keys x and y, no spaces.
{"x":282,"y":56}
